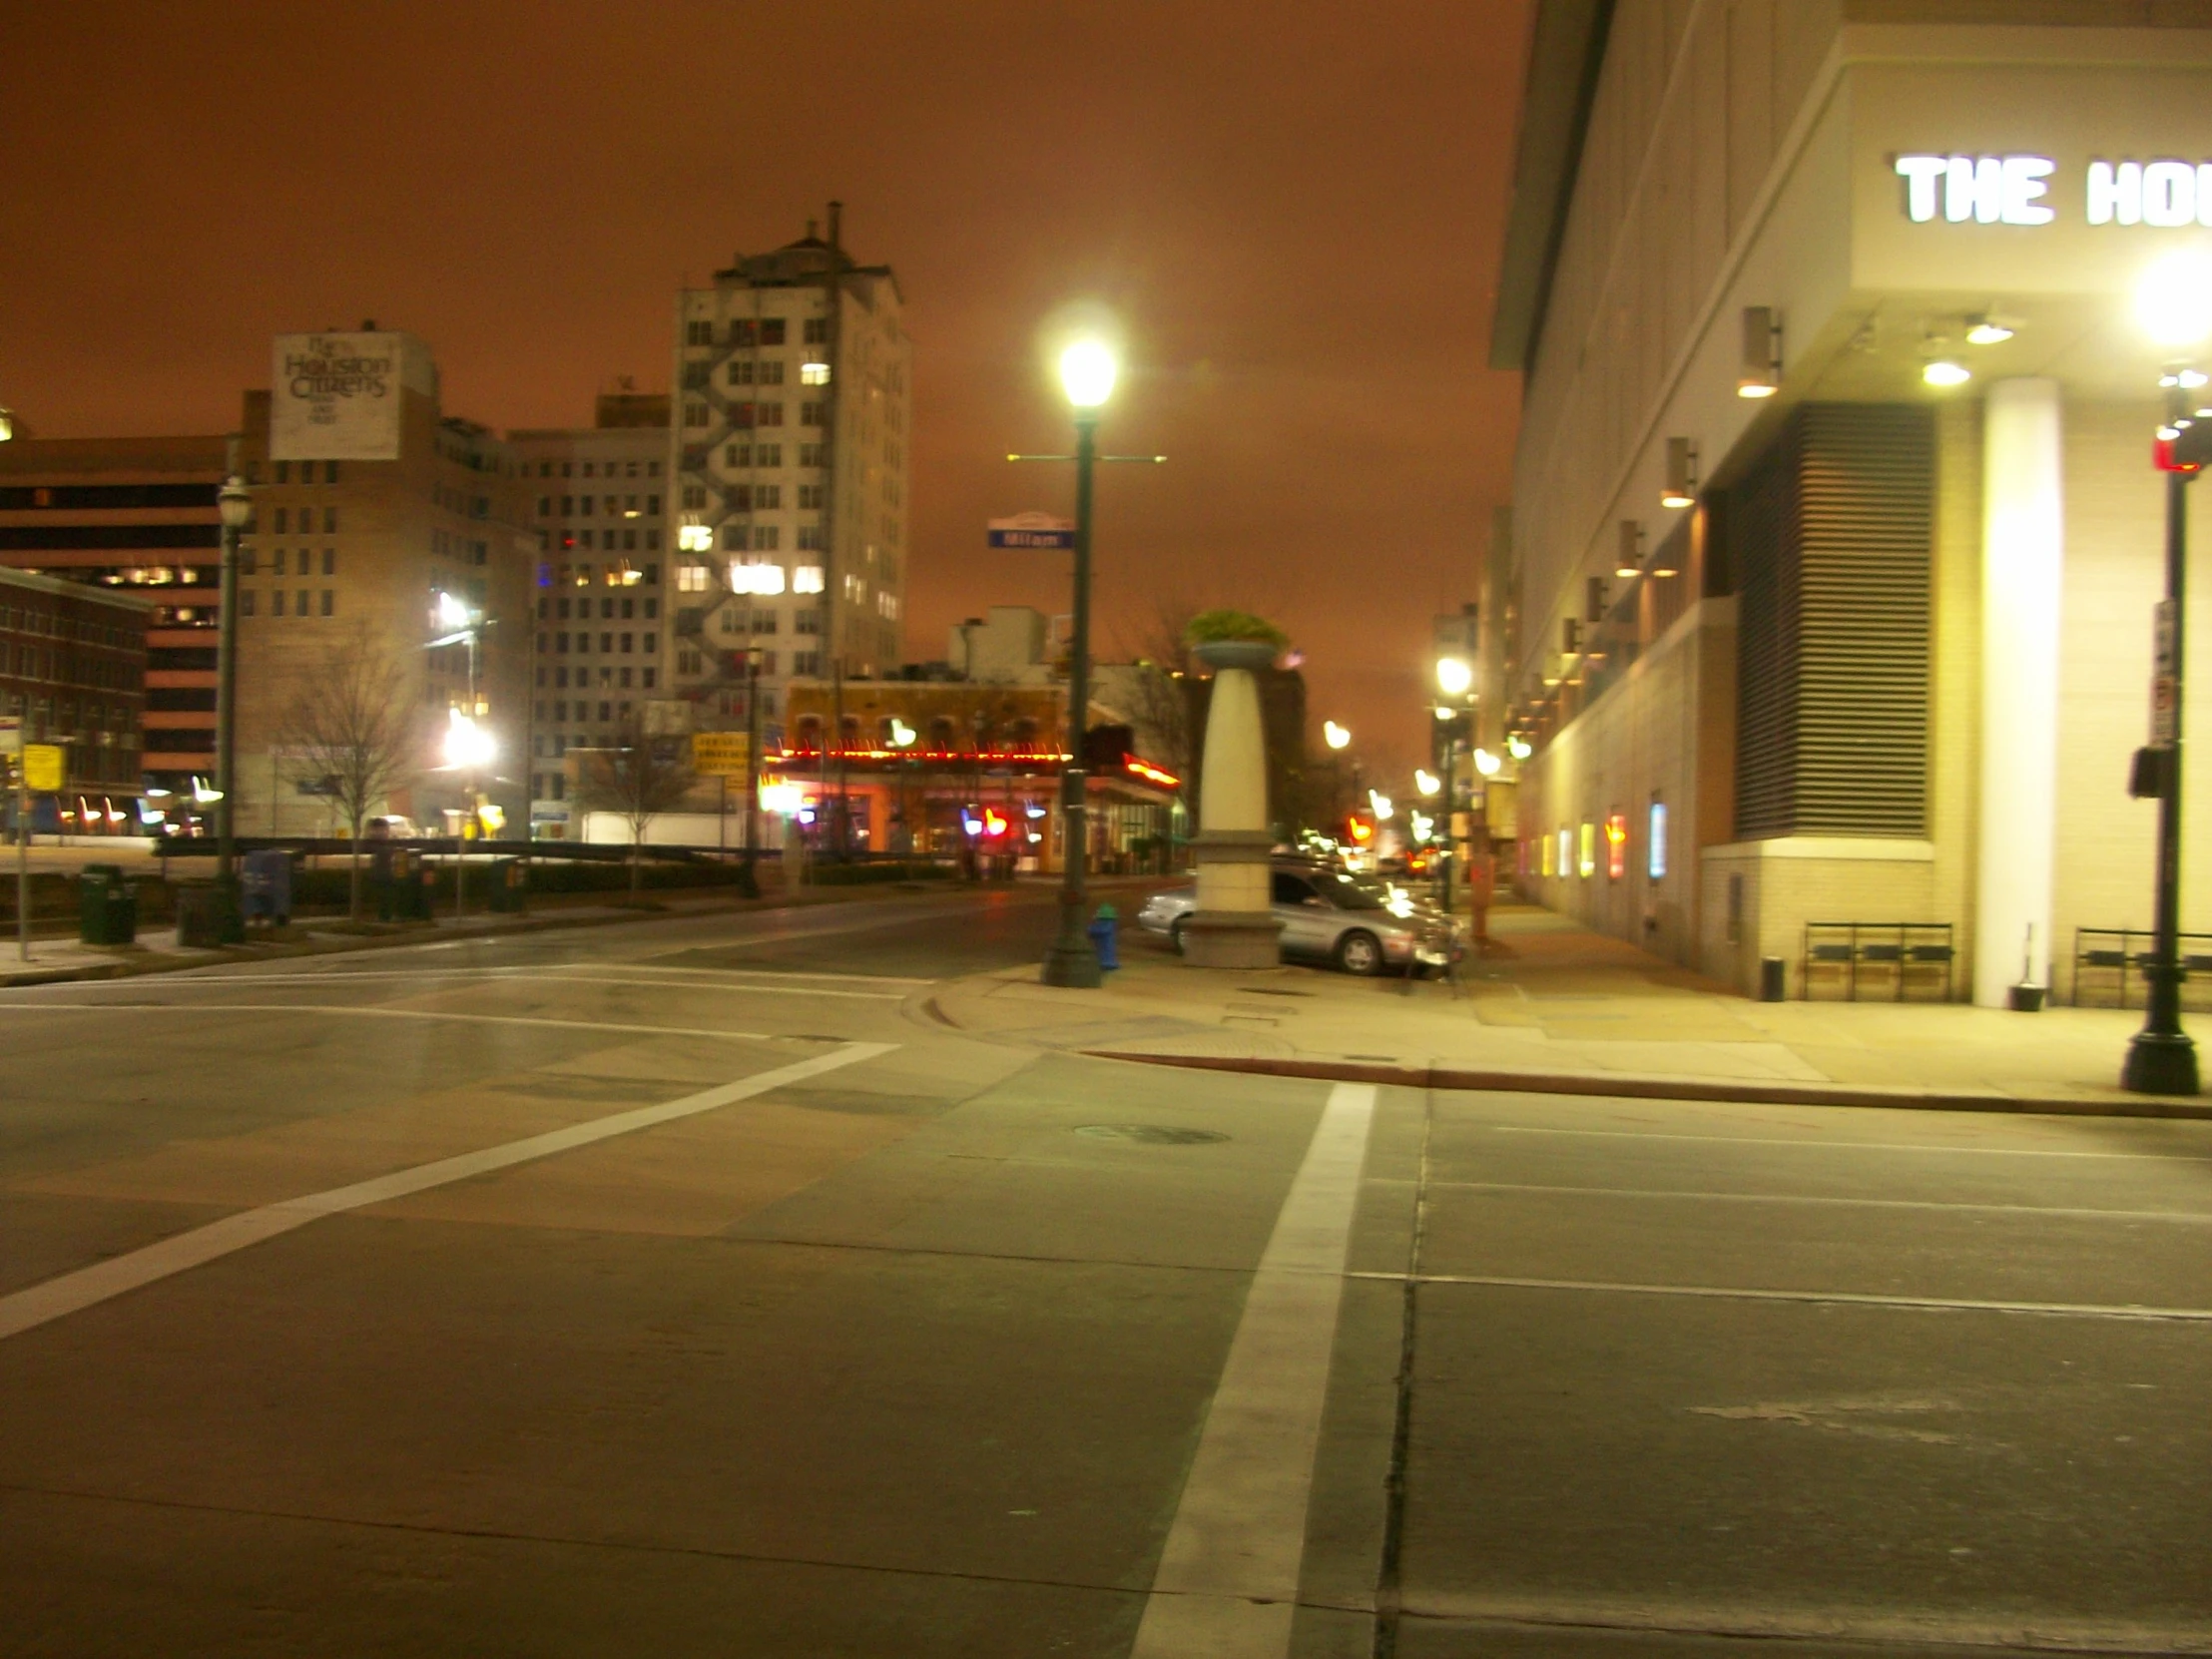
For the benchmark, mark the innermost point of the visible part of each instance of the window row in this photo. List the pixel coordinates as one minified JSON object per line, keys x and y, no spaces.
{"x":249,"y":561}
{"x":731,"y":619}
{"x":303,"y":603}
{"x":610,"y":541}
{"x":605,"y":469}
{"x":18,"y":621}
{"x":559,"y":643}
{"x":283,"y":471}
{"x":581,"y":610}
{"x":563,"y":677}
{"x":305,"y":516}
{"x":617,"y":573}
{"x":583,"y":506}
{"x":740,"y":332}
{"x":31,"y":661}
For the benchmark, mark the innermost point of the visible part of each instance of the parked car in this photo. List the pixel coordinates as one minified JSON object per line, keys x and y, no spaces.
{"x":1328,"y":915}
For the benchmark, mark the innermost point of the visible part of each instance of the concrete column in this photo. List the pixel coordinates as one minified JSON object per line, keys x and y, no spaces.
{"x":1234,"y":925}
{"x":2023,"y":548}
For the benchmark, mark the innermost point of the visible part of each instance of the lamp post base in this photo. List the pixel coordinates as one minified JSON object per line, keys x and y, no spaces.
{"x":2160,"y":1062}
{"x":1073,"y":960}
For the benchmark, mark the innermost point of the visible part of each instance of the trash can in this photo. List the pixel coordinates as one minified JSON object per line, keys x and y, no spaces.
{"x":205,"y":916}
{"x":1774,"y":982}
{"x":265,"y":887}
{"x":508,"y":885}
{"x":107,"y":906}
{"x":1102,"y":930}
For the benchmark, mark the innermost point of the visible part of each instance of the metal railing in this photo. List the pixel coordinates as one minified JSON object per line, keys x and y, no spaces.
{"x":2109,"y":959}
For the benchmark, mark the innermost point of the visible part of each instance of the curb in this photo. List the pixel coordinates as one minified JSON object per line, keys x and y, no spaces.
{"x":1647,"y":1088}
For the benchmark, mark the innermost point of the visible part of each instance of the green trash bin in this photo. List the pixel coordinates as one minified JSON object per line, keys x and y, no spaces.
{"x":107,"y":906}
{"x":508,"y":884}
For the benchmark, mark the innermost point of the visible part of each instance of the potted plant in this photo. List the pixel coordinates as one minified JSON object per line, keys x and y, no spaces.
{"x":1234,"y":639}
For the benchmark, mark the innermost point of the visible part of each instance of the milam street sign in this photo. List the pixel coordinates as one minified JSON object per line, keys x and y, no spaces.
{"x":1034,"y":530}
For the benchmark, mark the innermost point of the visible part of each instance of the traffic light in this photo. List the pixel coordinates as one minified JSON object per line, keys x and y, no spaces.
{"x":2187,"y":450}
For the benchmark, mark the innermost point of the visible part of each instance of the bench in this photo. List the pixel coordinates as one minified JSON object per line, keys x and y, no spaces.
{"x":1899,"y":957}
{"x":2109,"y":960}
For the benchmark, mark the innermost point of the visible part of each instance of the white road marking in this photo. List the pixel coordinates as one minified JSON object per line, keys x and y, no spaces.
{"x":1227,"y":1583}
{"x":1732,"y":1292}
{"x":201,"y":1010}
{"x":491,"y":976}
{"x":2197,"y":1218}
{"x":73,"y":1291}
{"x":1847,"y":1146}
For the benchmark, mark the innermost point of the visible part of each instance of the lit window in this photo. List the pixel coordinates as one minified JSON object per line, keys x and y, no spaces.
{"x":691,"y":578}
{"x":807,"y":579}
{"x":755,"y":577}
{"x":813,"y":374}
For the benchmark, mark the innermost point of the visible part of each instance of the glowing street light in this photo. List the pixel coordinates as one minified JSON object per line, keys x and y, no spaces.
{"x":2173,"y":300}
{"x":1520,"y":746}
{"x":469,"y":744}
{"x":1453,"y":676}
{"x":1426,"y":781}
{"x":1336,"y":737}
{"x":1381,"y":804}
{"x":1087,"y":372}
{"x":1487,"y":763}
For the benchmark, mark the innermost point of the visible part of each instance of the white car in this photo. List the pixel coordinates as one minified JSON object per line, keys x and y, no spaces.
{"x":1328,"y":915}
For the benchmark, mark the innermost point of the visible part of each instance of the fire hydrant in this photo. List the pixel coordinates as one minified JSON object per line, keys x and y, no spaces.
{"x":1102,"y":930}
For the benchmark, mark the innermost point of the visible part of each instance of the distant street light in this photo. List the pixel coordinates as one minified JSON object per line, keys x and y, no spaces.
{"x":235,"y":506}
{"x":1087,"y":374}
{"x":1336,"y":737}
{"x":1453,"y":676}
{"x":1425,"y":781}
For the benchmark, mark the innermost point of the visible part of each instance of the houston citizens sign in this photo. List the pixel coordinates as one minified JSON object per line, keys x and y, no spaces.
{"x":335,"y":397}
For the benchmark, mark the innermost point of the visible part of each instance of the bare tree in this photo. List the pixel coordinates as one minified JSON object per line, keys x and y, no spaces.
{"x":1161,"y":705}
{"x":637,"y":780}
{"x":351,"y":727}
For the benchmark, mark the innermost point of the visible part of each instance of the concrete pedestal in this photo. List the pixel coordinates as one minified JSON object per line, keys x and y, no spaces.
{"x":1234,"y":925}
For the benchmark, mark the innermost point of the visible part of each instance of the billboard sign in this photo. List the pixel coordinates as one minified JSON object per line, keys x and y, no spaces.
{"x":720,"y":753}
{"x":335,"y":396}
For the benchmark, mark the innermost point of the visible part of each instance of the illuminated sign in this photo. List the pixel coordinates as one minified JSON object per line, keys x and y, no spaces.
{"x":1150,"y":773}
{"x":2017,"y":189}
{"x":1032,"y":530}
{"x":1656,"y":868}
{"x":1616,"y":845}
{"x":335,"y":396}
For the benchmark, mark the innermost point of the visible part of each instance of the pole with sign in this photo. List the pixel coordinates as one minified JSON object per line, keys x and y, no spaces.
{"x":1034,"y":531}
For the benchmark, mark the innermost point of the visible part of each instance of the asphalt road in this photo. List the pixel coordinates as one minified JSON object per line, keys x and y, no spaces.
{"x":684,"y":1288}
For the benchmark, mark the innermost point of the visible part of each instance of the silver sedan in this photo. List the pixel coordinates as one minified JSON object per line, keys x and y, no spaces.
{"x":1328,"y":916}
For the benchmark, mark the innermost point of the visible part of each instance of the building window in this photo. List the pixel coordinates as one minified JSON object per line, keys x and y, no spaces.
{"x":329,"y":599}
{"x":695,"y":415}
{"x":807,"y":579}
{"x":769,"y":414}
{"x":283,"y":472}
{"x":691,"y":578}
{"x":817,"y":331}
{"x":771,"y":331}
{"x":767,"y":455}
{"x":768,"y":497}
{"x":804,"y":663}
{"x":246,"y":561}
{"x":694,"y":376}
{"x":809,"y":537}
{"x":772,"y":374}
{"x":813,"y":374}
{"x":245,"y":602}
{"x":277,"y":602}
{"x":695,"y":497}
{"x":741,"y":371}
{"x":626,"y":642}
{"x":699,"y":331}
{"x":812,"y":454}
{"x":814,"y":414}
{"x":281,"y":521}
{"x":766,"y":538}
{"x":648,"y":677}
{"x":330,"y":522}
{"x":606,"y":643}
{"x":810,"y":497}
{"x":652,"y":644}
{"x":329,"y":561}
{"x":732,"y":455}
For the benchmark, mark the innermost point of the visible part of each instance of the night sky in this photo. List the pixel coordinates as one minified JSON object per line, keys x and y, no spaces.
{"x":1295,"y":209}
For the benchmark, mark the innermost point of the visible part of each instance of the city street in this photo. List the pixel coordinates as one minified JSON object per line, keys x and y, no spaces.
{"x":686,"y":1286}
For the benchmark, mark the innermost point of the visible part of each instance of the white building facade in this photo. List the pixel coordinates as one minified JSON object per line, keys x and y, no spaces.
{"x":1835,"y":540}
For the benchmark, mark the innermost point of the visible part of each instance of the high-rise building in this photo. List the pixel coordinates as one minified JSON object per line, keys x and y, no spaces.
{"x":1827,"y":616}
{"x":788,"y":456}
{"x":379,"y":523}
{"x":137,"y":515}
{"x":595,"y":496}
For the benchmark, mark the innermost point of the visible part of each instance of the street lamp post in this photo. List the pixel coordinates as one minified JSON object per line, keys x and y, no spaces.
{"x":234,"y":505}
{"x":1455,"y":678}
{"x":2174,"y":305}
{"x":2162,"y":1058}
{"x":1087,"y":372}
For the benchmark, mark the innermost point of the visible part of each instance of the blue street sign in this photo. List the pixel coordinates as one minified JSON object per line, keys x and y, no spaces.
{"x":1034,"y":530}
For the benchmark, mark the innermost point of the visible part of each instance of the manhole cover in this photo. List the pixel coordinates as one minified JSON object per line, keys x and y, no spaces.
{"x":1150,"y":1134}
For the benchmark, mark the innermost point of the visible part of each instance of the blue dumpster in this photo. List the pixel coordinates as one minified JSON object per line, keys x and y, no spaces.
{"x":1102,"y":930}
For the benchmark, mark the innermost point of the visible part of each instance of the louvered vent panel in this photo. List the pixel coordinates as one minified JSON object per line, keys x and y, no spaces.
{"x":1833,"y":626}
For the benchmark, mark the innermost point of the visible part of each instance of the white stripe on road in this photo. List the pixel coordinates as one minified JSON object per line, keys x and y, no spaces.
{"x":204,"y":1011}
{"x":73,"y":1291}
{"x":1847,"y":1146}
{"x":1731,"y":1293}
{"x":488,"y":976}
{"x":2194,"y":1218}
{"x":1228,"y":1578}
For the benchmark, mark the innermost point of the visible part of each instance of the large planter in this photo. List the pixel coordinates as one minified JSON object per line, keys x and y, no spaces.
{"x":1234,"y":925}
{"x":1226,"y":654}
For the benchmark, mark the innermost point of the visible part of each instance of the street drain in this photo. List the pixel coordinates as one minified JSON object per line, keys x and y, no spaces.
{"x":1150,"y":1134}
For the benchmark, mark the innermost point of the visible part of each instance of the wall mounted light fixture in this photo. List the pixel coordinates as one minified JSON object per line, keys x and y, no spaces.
{"x":1680,"y":489}
{"x":1761,"y":372}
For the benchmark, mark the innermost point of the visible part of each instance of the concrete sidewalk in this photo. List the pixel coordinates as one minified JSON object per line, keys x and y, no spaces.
{"x":1552,"y":1007}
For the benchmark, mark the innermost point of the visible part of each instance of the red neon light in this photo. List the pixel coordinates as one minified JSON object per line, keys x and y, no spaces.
{"x":1150,"y":773}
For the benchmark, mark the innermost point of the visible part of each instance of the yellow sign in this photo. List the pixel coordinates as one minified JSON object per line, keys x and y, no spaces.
{"x":42,"y":766}
{"x":720,"y":753}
